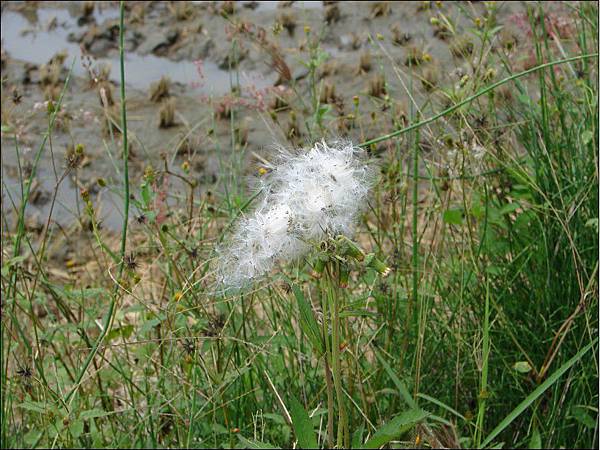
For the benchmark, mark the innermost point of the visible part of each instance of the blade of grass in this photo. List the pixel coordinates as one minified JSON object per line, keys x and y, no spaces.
{"x":537,"y":393}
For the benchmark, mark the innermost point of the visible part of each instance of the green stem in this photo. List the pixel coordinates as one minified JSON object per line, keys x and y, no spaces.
{"x":343,"y":438}
{"x":415,"y":249}
{"x":485,"y":353}
{"x":111,"y":309}
{"x":328,"y":381}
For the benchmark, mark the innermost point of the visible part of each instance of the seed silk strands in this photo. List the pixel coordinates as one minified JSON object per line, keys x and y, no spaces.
{"x":307,"y":196}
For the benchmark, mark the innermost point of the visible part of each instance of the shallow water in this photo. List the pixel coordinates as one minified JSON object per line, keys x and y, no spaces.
{"x":36,"y":43}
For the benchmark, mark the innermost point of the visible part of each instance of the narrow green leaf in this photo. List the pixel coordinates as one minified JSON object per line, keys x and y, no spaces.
{"x":303,"y":428}
{"x":33,"y":406}
{"x":399,"y":384}
{"x":93,"y":413}
{"x":537,"y":393}
{"x":357,"y":313}
{"x":358,"y":436}
{"x":442,"y":405}
{"x":396,"y":427}
{"x":307,"y":321}
{"x":536,"y":439}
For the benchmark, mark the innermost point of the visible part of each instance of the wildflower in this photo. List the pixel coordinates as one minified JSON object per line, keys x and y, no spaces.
{"x":306,"y":197}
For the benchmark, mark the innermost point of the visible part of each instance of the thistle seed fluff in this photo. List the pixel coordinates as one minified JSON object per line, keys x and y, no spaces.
{"x":308,"y":195}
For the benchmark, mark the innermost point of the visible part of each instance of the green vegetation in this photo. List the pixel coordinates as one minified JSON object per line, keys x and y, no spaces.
{"x":485,"y":332}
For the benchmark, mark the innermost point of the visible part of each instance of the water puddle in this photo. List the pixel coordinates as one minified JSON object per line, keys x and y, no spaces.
{"x":273,"y":5}
{"x":68,"y":206}
{"x":37,"y":38}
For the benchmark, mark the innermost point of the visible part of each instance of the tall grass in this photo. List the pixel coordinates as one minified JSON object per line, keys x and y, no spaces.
{"x":485,"y":333}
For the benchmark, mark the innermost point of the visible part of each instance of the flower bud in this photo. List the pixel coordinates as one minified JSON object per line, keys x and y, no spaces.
{"x":349,"y":248}
{"x":373,"y":262}
{"x":319,"y":267}
{"x":344,"y":275}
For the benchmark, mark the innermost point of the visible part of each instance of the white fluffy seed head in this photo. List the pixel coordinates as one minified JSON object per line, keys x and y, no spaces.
{"x":308,"y":195}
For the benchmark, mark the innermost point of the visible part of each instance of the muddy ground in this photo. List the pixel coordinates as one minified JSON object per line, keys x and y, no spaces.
{"x":372,"y":54}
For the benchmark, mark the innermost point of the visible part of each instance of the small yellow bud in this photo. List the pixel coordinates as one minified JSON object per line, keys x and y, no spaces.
{"x":262,"y":171}
{"x":149,"y":173}
{"x":178,"y":295}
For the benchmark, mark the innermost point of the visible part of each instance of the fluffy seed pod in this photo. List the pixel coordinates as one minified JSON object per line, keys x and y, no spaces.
{"x":307,"y":196}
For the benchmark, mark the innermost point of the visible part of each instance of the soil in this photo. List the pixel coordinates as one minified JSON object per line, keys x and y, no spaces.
{"x":206,"y":49}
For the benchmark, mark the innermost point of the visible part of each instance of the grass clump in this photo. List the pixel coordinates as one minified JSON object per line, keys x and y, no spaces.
{"x":462,"y":313}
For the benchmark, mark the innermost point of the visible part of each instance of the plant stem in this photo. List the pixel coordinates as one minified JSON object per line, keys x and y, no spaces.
{"x":111,"y":309}
{"x":328,"y":381}
{"x":343,"y":438}
{"x":415,"y":249}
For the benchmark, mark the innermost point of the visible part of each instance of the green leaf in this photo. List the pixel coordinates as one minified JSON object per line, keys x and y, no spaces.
{"x":6,"y":128}
{"x":358,"y":436}
{"x":307,"y":321}
{"x":509,"y":207}
{"x":583,"y":417}
{"x":537,"y":393}
{"x":357,"y":313}
{"x":76,"y":428}
{"x":399,"y":384}
{"x":586,"y":137}
{"x":592,"y":223}
{"x":124,"y":331}
{"x":33,"y":437}
{"x":302,"y":424}
{"x":146,"y":194}
{"x":277,"y":418}
{"x":522,"y":367}
{"x":251,"y":443}
{"x":453,"y":216}
{"x":536,"y":439}
{"x":396,"y":427}
{"x":435,"y":401}
{"x":93,"y":413}
{"x":33,"y":406}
